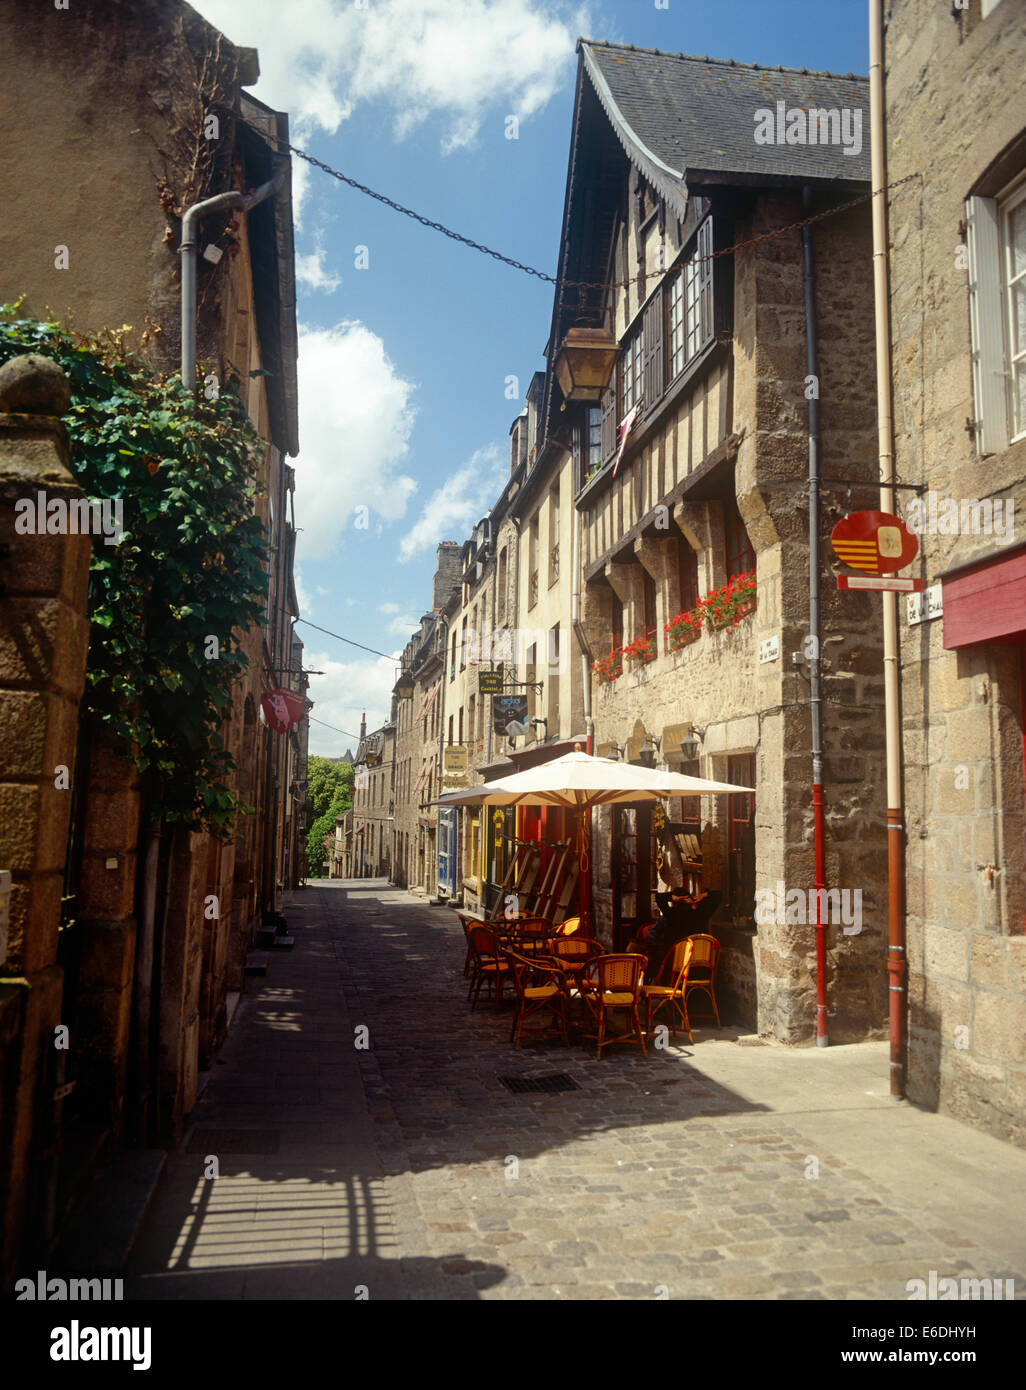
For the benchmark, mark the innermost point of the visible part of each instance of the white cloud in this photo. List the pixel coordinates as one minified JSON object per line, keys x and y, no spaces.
{"x":451,"y":512}
{"x":388,"y":608}
{"x":302,"y":592}
{"x":403,"y":626}
{"x":456,"y":59}
{"x":343,"y":693}
{"x":311,"y":274}
{"x":355,"y":418}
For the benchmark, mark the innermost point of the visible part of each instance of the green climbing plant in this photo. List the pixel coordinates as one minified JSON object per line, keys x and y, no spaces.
{"x":169,"y":603}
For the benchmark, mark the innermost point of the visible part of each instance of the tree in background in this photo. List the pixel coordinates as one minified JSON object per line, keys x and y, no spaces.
{"x":329,"y":794}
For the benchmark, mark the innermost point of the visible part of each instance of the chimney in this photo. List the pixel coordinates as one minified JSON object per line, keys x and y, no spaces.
{"x":447,"y":575}
{"x":363,"y":726}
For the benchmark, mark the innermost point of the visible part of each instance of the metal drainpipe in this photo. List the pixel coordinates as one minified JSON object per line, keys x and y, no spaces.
{"x":589,"y":727}
{"x":896,"y":966}
{"x":189,"y":249}
{"x":815,"y":703}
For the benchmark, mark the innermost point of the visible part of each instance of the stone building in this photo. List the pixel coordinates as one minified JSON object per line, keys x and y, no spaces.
{"x":958,"y":247}
{"x":419,"y":732}
{"x":144,"y":978}
{"x":483,"y":625}
{"x":709,"y":388}
{"x":373,"y":816}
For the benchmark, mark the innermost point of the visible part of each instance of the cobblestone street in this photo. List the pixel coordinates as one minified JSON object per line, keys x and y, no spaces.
{"x":715,"y":1171}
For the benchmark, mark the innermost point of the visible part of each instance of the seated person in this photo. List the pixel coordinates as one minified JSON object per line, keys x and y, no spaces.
{"x":682,"y":916}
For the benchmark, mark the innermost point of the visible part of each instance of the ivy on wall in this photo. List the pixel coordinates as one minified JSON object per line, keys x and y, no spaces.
{"x":168,"y":604}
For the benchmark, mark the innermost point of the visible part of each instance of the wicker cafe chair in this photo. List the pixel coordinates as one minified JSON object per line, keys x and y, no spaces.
{"x":468,"y":922}
{"x":574,"y":953}
{"x":614,"y":982}
{"x":487,"y":963}
{"x":540,"y":987}
{"x":659,"y":996}
{"x":568,"y":928}
{"x":701,"y":973}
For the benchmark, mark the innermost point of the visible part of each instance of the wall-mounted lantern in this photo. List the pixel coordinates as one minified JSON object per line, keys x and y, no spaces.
{"x":689,"y":745}
{"x":584,"y":363}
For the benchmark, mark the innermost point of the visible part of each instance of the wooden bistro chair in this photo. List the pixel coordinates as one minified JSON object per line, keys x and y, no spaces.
{"x":700,"y":974}
{"x":487,"y":963}
{"x":540,"y":987}
{"x":614,"y":982}
{"x":672,"y":995}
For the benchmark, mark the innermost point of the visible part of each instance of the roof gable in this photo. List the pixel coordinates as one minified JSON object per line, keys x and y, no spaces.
{"x":682,"y":118}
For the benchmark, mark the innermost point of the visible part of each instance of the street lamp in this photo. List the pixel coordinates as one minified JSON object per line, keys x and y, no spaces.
{"x":584,"y":363}
{"x":689,"y":745}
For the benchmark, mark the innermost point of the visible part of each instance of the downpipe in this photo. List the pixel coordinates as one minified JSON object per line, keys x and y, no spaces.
{"x":189,"y":249}
{"x":896,"y":965}
{"x":589,"y":723}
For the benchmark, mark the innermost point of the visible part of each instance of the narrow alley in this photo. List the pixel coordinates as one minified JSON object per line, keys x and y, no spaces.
{"x":405,"y":1169}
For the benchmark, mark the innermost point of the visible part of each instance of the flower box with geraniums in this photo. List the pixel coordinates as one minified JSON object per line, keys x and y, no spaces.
{"x":609,"y":667}
{"x":641,"y":651}
{"x":684,"y":629}
{"x":726,"y":607}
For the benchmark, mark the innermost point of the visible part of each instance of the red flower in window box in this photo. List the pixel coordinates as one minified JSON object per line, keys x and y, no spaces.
{"x":684,"y":628}
{"x":642,"y":649}
{"x":726,"y":606}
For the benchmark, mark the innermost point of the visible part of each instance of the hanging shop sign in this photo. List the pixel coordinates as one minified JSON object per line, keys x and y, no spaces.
{"x":508,"y":709}
{"x":455,"y":762}
{"x":874,"y":542}
{"x":283,"y":708}
{"x":489,"y":682}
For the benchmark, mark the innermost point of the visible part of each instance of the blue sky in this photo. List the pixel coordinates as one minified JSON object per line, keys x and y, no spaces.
{"x":404,"y":363}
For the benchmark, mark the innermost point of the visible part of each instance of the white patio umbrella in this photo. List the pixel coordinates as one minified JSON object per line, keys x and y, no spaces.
{"x":578,"y":782}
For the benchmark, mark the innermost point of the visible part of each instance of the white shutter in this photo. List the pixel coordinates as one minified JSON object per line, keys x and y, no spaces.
{"x":985,"y":315}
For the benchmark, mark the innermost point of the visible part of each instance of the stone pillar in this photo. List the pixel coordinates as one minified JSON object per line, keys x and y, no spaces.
{"x":44,"y":638}
{"x":627,"y":582}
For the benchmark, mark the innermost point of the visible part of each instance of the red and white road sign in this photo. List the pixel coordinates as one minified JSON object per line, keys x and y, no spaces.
{"x":875,"y":542}
{"x":893,"y":584}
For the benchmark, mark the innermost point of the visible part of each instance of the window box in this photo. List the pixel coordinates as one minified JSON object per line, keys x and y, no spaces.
{"x":726,"y":607}
{"x":609,"y":667}
{"x":684,"y":629}
{"x":641,"y":650}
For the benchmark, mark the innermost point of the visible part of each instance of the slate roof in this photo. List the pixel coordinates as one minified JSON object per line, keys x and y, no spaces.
{"x":681,"y":117}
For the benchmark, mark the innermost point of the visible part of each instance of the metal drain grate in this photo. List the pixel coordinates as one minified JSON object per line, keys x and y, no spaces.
{"x":557,"y":1081}
{"x":234,"y":1141}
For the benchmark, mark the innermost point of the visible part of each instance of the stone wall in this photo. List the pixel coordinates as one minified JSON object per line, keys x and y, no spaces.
{"x":43,"y":643}
{"x":956,"y":109}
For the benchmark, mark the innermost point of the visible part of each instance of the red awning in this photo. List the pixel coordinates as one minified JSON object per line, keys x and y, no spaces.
{"x":985,"y":601}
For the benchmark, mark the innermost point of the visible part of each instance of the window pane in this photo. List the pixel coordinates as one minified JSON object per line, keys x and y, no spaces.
{"x":1017,"y":240}
{"x":1019,"y":398}
{"x":1018,"y":317}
